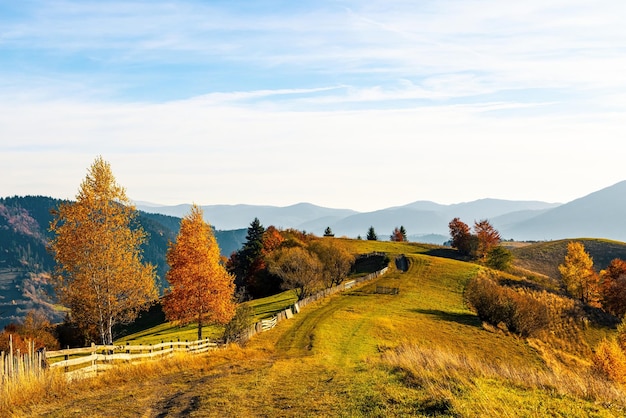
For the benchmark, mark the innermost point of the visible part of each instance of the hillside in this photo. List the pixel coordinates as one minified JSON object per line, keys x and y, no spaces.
{"x":25,"y":262}
{"x":421,"y":352}
{"x":545,"y":257}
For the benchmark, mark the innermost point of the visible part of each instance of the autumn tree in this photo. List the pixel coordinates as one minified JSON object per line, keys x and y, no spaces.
{"x":398,"y":234}
{"x":461,"y":236}
{"x":100,"y":274}
{"x":613,"y":288}
{"x":488,"y":238}
{"x":201,"y":290}
{"x":371,"y":234}
{"x":336,"y":260}
{"x":578,"y":274}
{"x":299,"y":269}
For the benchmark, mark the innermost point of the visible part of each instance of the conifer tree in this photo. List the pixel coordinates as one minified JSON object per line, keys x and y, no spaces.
{"x":248,"y":263}
{"x":201,"y":290}
{"x":371,"y":234}
{"x":100,"y":274}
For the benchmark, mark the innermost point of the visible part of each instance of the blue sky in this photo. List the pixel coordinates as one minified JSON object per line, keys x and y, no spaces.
{"x":345,"y":104}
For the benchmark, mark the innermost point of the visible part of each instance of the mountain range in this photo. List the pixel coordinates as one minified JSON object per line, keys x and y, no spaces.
{"x":598,"y":215}
{"x":24,"y":221}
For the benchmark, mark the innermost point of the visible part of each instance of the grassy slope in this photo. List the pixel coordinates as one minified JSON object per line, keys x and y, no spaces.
{"x":544,"y":257}
{"x":346,"y":356}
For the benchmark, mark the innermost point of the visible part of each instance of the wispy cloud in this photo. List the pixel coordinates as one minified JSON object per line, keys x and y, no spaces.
{"x":208,"y":90}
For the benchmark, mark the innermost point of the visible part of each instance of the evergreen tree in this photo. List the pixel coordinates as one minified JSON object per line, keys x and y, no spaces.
{"x":371,"y":234}
{"x":403,"y":233}
{"x":248,"y":261}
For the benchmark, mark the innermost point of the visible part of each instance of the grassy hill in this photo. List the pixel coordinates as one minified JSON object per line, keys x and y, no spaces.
{"x":421,"y":352}
{"x":545,"y":257}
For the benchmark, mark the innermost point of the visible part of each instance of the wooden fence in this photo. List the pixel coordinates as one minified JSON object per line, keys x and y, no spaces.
{"x":81,"y":362}
{"x":267,"y":324}
{"x":15,"y":365}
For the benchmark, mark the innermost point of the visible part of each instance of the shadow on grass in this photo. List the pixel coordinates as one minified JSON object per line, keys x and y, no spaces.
{"x":447,"y":253}
{"x":461,"y":318}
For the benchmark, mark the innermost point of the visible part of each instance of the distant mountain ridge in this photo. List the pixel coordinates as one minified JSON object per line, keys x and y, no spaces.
{"x":597,"y":215}
{"x":425,"y":221}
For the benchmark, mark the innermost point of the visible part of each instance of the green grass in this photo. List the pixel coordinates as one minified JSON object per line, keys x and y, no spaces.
{"x":360,"y":354}
{"x":162,"y":331}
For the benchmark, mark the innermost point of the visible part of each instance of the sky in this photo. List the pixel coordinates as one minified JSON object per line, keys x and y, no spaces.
{"x":361,"y":105}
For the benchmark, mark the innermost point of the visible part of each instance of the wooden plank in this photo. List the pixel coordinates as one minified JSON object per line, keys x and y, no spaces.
{"x":75,"y":361}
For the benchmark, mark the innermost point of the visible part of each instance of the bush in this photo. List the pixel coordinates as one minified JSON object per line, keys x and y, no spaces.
{"x":236,"y":328}
{"x":521,"y":311}
{"x":610,"y":360}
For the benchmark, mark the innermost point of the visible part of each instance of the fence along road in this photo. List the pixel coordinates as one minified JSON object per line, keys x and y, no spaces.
{"x":82,"y":362}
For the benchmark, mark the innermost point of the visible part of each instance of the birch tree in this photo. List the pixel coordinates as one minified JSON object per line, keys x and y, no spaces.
{"x":100,"y":272}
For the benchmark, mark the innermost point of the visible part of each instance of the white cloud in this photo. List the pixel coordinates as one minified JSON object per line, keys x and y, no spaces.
{"x":323,"y":102}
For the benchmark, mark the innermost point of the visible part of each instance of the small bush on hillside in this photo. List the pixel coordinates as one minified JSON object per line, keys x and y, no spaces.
{"x":235,"y":330}
{"x":521,"y":311}
{"x":610,"y":360}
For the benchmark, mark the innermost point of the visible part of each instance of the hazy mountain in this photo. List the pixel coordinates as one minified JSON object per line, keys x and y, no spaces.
{"x":228,"y":217}
{"x":597,"y":215}
{"x":420,"y":218}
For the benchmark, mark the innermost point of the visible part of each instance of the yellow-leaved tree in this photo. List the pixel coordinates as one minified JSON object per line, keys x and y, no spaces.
{"x":100,"y":273}
{"x":578,"y":274}
{"x":201,"y":290}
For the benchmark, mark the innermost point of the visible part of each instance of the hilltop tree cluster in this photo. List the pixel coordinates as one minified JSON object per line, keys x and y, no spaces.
{"x":605,"y":289}
{"x":272,"y":260}
{"x":483,"y":244}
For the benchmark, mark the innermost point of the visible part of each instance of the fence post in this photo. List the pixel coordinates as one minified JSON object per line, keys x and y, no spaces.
{"x":10,"y":356}
{"x":67,"y":357}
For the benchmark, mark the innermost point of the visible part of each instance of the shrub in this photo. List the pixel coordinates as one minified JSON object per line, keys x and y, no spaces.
{"x":521,"y":311}
{"x":236,"y":328}
{"x":610,"y":360}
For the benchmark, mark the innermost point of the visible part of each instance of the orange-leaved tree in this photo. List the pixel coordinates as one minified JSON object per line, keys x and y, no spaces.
{"x":100,"y":274}
{"x":613,"y":288}
{"x":488,"y":238}
{"x":201,"y":290}
{"x":461,"y":236}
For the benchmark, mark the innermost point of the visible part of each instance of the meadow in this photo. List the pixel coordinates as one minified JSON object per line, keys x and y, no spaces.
{"x":421,"y":352}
